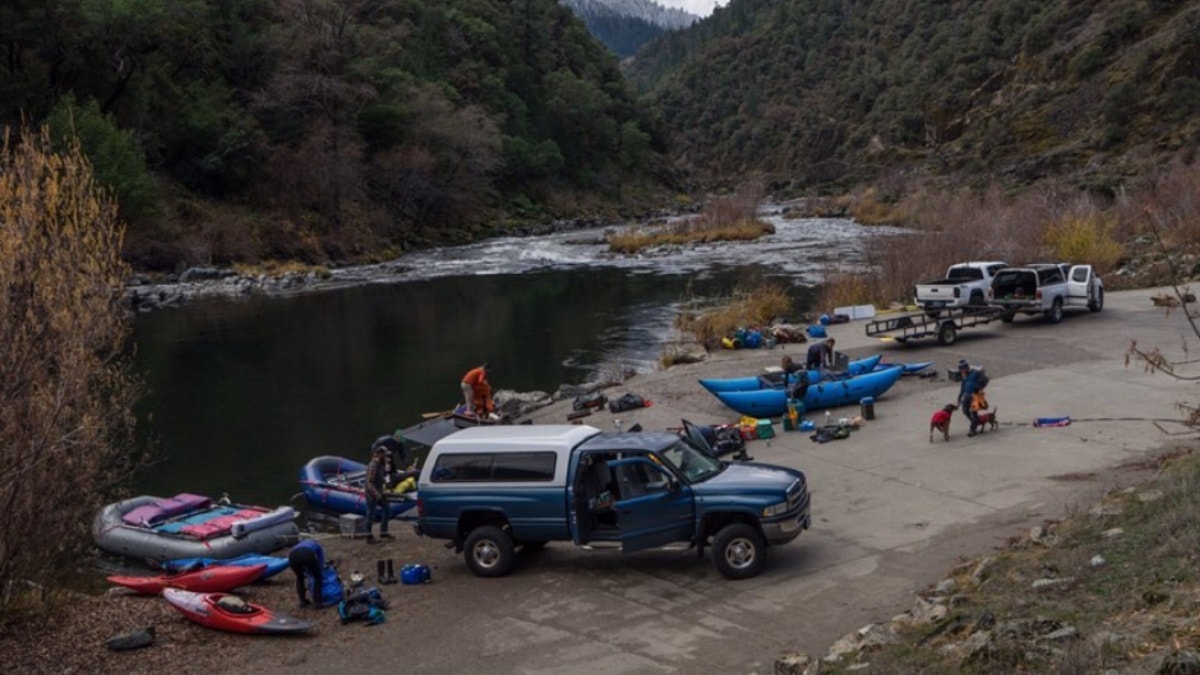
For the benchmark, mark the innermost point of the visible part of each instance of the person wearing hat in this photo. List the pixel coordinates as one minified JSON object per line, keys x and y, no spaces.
{"x":397,"y":453}
{"x":374,"y":487}
{"x":477,"y":391}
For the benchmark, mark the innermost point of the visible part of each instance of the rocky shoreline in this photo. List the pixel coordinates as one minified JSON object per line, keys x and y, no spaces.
{"x":146,"y":292}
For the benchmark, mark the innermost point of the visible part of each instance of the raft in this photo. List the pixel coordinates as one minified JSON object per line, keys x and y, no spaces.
{"x":775,"y":380}
{"x":827,"y":394}
{"x":190,"y":526}
{"x":337,"y":485}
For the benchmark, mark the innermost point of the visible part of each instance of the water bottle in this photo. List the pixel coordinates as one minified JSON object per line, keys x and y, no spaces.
{"x":826,"y":418}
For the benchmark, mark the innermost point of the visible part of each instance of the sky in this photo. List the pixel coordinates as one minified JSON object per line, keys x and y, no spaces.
{"x":697,"y":7}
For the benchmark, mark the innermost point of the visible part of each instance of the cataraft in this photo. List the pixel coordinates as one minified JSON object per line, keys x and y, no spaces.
{"x":824,"y":394}
{"x":774,"y":378}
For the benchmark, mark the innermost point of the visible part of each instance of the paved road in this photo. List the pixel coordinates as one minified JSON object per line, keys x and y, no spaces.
{"x":892,"y":514}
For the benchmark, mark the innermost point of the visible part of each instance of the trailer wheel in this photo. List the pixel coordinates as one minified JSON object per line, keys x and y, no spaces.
{"x":947,"y":334}
{"x":1008,"y":317}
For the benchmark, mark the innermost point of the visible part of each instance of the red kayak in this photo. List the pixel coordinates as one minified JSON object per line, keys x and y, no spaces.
{"x":215,"y":579}
{"x":229,"y":612}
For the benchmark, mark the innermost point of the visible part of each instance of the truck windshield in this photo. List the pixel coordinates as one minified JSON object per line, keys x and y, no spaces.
{"x":696,"y":466}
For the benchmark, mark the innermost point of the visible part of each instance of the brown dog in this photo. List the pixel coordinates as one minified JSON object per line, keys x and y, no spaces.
{"x":941,"y":421}
{"x":988,"y":420}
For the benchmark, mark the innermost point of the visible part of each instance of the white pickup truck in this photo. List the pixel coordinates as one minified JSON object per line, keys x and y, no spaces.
{"x":964,"y":284}
{"x":1046,"y":289}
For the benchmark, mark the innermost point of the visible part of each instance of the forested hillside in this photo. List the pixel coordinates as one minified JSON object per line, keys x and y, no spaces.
{"x":315,"y":129}
{"x":829,"y":92}
{"x":625,"y":25}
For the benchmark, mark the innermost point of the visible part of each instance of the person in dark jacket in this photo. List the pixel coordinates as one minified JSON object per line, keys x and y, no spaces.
{"x":375,"y":485}
{"x":820,"y":355}
{"x":306,"y":560}
{"x":966,"y":393}
{"x":795,"y":379}
{"x":397,"y":453}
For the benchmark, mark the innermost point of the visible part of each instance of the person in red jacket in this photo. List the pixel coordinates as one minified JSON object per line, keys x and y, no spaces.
{"x":477,"y":392}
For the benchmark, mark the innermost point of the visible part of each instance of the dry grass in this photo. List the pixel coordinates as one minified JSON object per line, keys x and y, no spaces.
{"x":731,"y":218}
{"x":1044,"y":224}
{"x":278,"y":268}
{"x":744,"y":308}
{"x":1144,"y":595}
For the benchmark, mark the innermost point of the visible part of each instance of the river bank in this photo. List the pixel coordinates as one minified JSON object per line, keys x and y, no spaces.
{"x":893,"y":514}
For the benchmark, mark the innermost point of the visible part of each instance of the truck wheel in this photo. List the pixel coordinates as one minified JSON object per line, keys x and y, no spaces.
{"x":489,"y":551}
{"x":1097,"y":303}
{"x":1055,"y":314}
{"x":947,"y":334}
{"x":1008,"y":317}
{"x":977,"y":299}
{"x":739,"y":551}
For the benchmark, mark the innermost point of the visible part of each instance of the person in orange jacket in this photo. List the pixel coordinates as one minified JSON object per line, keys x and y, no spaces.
{"x":477,"y":392}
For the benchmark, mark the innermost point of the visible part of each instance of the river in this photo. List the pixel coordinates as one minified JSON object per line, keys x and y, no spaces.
{"x":241,"y":393}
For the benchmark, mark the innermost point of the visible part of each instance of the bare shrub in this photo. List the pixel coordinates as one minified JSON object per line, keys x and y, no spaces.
{"x":744,"y":308}
{"x":1086,"y":239}
{"x":65,"y":387}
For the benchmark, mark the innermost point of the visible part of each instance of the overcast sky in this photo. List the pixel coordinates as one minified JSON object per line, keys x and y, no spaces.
{"x":697,"y":7}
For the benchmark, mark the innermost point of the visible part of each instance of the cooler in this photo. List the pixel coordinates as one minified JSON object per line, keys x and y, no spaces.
{"x":867,"y":407}
{"x":352,"y":524}
{"x":765,"y":430}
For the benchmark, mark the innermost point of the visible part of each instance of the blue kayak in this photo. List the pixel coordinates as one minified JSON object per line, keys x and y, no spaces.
{"x":775,"y":380}
{"x":826,"y":394}
{"x":275,"y":564}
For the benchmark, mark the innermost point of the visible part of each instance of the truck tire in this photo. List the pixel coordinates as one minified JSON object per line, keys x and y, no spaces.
{"x":1097,"y":303}
{"x":1055,"y":313}
{"x":489,"y":551}
{"x":977,"y":299}
{"x":739,"y":551}
{"x":947,"y":334}
{"x":1008,"y":317}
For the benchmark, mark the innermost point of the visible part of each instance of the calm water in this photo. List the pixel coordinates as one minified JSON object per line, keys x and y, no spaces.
{"x":243,"y":393}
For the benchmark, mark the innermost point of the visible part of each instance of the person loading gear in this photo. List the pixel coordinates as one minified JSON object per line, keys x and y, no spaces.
{"x":477,"y":391}
{"x":307,"y":559}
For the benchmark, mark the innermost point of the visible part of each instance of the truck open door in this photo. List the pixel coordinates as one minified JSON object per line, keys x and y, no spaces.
{"x":653,"y":507}
{"x":1080,"y":279}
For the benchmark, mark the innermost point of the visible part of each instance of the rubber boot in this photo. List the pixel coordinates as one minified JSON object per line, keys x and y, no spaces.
{"x":391,"y":573}
{"x":379,"y":570}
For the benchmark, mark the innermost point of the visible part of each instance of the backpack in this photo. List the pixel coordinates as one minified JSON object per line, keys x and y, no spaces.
{"x":981,"y":379}
{"x":332,"y":589}
{"x":627,"y":402}
{"x":593,"y":400}
{"x":364,"y":604}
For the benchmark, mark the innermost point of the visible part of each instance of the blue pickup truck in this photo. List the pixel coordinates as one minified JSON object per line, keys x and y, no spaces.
{"x":492,"y":489}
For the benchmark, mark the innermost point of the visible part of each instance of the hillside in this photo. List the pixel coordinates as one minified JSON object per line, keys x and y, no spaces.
{"x":321,"y":129}
{"x":625,"y":25}
{"x":830,"y":92}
